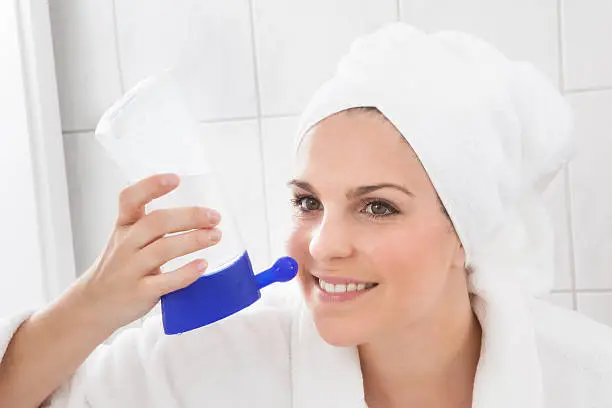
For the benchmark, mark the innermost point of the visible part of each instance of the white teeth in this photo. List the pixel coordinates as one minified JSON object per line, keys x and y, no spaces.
{"x":342,"y":288}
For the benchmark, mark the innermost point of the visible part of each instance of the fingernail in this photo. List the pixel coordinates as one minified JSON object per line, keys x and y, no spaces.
{"x":214,"y":216}
{"x":201,"y":265}
{"x":215,"y":235}
{"x":169,"y":180}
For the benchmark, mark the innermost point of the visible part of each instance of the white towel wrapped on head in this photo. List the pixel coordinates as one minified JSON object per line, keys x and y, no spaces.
{"x":490,"y":133}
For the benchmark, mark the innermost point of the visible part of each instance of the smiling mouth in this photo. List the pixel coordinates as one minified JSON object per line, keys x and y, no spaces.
{"x":340,"y":288}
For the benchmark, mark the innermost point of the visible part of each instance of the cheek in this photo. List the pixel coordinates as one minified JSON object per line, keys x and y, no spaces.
{"x":411,"y":260}
{"x":298,"y":244}
{"x":298,"y":240}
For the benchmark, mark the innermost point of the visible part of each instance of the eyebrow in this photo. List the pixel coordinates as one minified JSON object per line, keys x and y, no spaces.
{"x":356,"y":192}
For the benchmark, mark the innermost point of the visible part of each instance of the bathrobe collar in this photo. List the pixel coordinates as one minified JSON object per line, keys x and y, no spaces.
{"x":508,"y":373}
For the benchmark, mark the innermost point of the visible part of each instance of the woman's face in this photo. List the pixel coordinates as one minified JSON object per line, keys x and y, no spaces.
{"x":376,"y":252}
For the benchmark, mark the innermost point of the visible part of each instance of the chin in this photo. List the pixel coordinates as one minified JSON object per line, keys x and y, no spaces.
{"x":340,"y":333}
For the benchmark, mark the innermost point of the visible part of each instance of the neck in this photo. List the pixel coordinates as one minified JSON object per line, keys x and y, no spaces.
{"x":431,"y":364}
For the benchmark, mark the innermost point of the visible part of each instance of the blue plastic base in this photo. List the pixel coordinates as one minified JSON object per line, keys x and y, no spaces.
{"x":210,"y":298}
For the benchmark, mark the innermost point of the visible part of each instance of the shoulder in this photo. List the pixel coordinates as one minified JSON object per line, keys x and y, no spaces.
{"x":576,"y":357}
{"x":249,"y":351}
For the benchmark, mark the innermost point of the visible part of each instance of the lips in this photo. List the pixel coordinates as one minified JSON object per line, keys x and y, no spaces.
{"x":343,"y":287}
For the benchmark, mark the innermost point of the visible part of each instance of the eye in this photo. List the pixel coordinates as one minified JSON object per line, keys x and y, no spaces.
{"x":306,"y":203}
{"x":379,"y":209}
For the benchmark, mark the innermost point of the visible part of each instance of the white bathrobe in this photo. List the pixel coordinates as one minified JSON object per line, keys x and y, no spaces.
{"x":271,"y":356}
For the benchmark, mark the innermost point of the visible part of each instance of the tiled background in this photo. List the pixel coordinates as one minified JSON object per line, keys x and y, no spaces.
{"x":263,"y":58}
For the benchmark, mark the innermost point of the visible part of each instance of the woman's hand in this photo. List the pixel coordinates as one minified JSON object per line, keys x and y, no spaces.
{"x":120,"y":287}
{"x":126,"y":282}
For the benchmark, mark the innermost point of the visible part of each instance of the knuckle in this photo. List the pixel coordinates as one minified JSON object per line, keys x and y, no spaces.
{"x":201,"y":238}
{"x":158,"y":220}
{"x":198,"y":215}
{"x":194,"y":214}
{"x":125,"y":197}
{"x":149,"y":288}
{"x":166,"y":250}
{"x":211,"y":236}
{"x":151,"y":260}
{"x":154,"y":255}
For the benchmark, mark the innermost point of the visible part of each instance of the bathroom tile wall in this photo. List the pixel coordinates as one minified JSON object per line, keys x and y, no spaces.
{"x":259,"y":61}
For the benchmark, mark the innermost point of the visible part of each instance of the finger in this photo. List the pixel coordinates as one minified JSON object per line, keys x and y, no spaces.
{"x":165,"y":249}
{"x":132,"y":199}
{"x":161,"y":222}
{"x":165,"y":283}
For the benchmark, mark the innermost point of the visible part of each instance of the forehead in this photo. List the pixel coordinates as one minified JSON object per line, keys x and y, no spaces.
{"x":361,"y":147}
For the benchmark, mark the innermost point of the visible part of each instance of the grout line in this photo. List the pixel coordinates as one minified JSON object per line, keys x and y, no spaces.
{"x":588,"y":89}
{"x":243,"y":118}
{"x":118,"y":54}
{"x":205,"y":121}
{"x":570,"y":228}
{"x":399,"y":10}
{"x":562,"y":291}
{"x":561,"y":56}
{"x":77,"y":131}
{"x":222,"y":120}
{"x":572,"y":291}
{"x":566,"y":176}
{"x":280,"y":115}
{"x":259,"y":127}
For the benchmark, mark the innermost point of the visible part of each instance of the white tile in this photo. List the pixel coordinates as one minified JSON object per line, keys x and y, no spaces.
{"x":556,"y":203}
{"x":94,"y":183}
{"x":157,"y":34}
{"x":597,"y":306}
{"x":85,"y":59}
{"x":521,"y":29}
{"x":300,"y":42}
{"x":234,"y":149}
{"x":591,"y":190}
{"x":278,"y":138}
{"x":564,"y":300}
{"x":587,"y":30}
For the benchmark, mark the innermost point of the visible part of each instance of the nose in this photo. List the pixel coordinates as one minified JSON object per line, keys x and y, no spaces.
{"x":330,"y":240}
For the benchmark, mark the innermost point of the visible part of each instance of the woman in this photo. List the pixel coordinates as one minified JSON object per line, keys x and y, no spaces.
{"x":420,"y":238}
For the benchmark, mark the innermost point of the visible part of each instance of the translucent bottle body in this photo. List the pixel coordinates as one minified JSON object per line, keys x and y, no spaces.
{"x":149,"y":131}
{"x":202,"y":190}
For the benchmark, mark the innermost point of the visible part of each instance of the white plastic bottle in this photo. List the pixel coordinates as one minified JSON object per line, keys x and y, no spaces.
{"x":150,"y":131}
